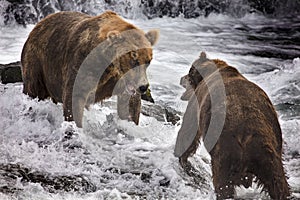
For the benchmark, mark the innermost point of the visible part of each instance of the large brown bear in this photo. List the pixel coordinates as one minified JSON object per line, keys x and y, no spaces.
{"x":67,"y":53}
{"x":246,"y":143}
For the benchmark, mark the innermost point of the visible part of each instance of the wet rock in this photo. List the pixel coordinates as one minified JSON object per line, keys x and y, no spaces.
{"x":11,"y":73}
{"x":272,"y":53}
{"x":146,"y":177}
{"x":11,"y":173}
{"x":266,"y":7}
{"x":44,"y":7}
{"x":164,"y":182}
{"x":161,"y":113}
{"x":295,"y":154}
{"x":6,"y":189}
{"x":16,"y":1}
{"x":172,"y":115}
{"x":21,"y":12}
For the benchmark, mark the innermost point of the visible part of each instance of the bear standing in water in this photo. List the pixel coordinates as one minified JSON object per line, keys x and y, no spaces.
{"x":79,"y":59}
{"x":249,"y":141}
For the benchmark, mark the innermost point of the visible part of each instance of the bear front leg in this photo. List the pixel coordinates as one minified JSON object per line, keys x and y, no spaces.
{"x":74,"y":100}
{"x":73,"y":108}
{"x":68,"y":112}
{"x":135,"y":108}
{"x":129,"y":107}
{"x":67,"y":105}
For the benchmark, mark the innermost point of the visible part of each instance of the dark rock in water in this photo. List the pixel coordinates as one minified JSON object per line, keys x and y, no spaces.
{"x":11,"y":73}
{"x":161,"y":113}
{"x":5,"y":189}
{"x":146,"y":177}
{"x":164,"y":182}
{"x":20,"y":12}
{"x":289,"y":110}
{"x":172,"y":115}
{"x":267,"y":7}
{"x":271,"y":53}
{"x":44,"y":8}
{"x":295,"y":154}
{"x":10,"y":173}
{"x":16,"y":1}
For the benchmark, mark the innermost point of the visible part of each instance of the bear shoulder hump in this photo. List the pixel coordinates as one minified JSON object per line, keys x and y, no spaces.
{"x":107,"y":14}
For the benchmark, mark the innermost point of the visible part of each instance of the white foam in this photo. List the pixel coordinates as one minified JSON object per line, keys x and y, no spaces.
{"x":33,"y":131}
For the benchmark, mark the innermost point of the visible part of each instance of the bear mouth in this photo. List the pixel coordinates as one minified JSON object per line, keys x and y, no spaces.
{"x":187,"y":95}
{"x":130,"y":89}
{"x":184,"y":82}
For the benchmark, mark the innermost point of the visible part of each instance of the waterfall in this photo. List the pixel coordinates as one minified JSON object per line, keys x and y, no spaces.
{"x":30,"y":11}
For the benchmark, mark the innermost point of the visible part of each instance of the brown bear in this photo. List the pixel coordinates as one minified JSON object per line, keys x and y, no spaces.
{"x":248,"y":141}
{"x":79,"y":59}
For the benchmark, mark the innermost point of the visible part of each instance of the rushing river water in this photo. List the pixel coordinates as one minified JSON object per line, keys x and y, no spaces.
{"x":123,"y":161}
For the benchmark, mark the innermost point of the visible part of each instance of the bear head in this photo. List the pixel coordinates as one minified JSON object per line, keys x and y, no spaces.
{"x":200,"y":69}
{"x":132,"y":50}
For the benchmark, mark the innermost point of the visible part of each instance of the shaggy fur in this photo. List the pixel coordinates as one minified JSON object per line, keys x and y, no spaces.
{"x":250,"y":143}
{"x":58,"y":46}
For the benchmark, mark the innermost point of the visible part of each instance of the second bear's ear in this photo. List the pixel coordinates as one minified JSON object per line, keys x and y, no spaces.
{"x":113,"y":36}
{"x":152,"y":36}
{"x":203,"y":56}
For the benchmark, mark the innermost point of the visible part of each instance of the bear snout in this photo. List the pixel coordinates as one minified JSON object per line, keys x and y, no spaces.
{"x":184,"y":81}
{"x":142,"y":89}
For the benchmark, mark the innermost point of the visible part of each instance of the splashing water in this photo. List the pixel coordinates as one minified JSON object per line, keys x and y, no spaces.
{"x":122,"y":161}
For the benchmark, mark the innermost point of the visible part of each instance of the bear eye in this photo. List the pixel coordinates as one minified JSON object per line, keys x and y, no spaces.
{"x":191,"y":82}
{"x":134,"y":55}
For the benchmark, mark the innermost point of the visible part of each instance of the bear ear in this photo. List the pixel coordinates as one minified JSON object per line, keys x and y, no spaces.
{"x":113,"y":35}
{"x":152,"y":36}
{"x":203,"y":56}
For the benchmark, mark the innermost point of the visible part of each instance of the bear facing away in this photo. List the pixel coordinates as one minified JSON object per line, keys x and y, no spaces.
{"x":249,"y":142}
{"x":79,"y":59}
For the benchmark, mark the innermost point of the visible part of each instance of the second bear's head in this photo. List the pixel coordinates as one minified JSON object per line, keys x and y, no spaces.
{"x":201,"y":69}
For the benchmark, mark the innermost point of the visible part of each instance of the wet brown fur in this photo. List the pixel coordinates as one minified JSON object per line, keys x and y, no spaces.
{"x":58,"y":45}
{"x":251,"y":140}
